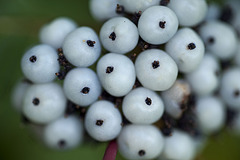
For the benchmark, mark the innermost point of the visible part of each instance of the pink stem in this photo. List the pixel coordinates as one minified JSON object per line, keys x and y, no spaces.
{"x":111,"y":151}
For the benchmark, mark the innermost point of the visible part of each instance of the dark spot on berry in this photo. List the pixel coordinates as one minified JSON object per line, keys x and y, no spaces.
{"x":141,"y":153}
{"x":148,"y":101}
{"x":236,"y":93}
{"x":90,"y":43}
{"x":211,"y":40}
{"x":33,"y":59}
{"x":191,"y":46}
{"x":61,"y":143}
{"x":164,"y":2}
{"x":85,"y":90}
{"x":113,"y":36}
{"x":155,"y":64}
{"x":119,"y":9}
{"x":99,"y":122}
{"x":36,"y":101}
{"x":162,"y":24}
{"x":109,"y":69}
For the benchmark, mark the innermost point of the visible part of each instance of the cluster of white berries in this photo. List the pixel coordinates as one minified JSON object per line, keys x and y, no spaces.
{"x":168,"y":78}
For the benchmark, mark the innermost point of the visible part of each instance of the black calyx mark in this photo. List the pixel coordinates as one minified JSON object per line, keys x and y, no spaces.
{"x":62,"y":143}
{"x":164,"y":2}
{"x":191,"y":46}
{"x":109,"y":69}
{"x":33,"y":59}
{"x":210,"y":40}
{"x":141,"y":152}
{"x":99,"y":122}
{"x":85,"y":90}
{"x":162,"y":24}
{"x":148,"y":101}
{"x":236,"y":93}
{"x":90,"y":43}
{"x":112,"y":36}
{"x":119,"y":9}
{"x":155,"y":64}
{"x":36,"y":101}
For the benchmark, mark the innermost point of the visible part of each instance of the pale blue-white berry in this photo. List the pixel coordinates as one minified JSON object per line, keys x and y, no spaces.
{"x":142,"y":106}
{"x":103,"y":121}
{"x":40,"y":63}
{"x":156,"y":70}
{"x":81,"y":86}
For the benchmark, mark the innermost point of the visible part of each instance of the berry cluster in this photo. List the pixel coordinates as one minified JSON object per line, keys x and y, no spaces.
{"x":161,"y":76}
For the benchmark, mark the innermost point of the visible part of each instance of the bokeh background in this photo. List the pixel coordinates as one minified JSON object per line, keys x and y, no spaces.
{"x":20,"y":21}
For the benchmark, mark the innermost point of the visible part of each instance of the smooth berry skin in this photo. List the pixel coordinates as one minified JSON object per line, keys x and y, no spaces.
{"x":82,"y":86}
{"x":103,"y":121}
{"x":205,"y":79}
{"x":64,"y":133}
{"x":187,"y":49}
{"x":120,"y":79}
{"x":230,"y":88}
{"x":210,"y":113}
{"x":162,"y":24}
{"x":223,"y":46}
{"x":78,"y":51}
{"x":174,"y":98}
{"x":178,"y":146}
{"x":142,"y":106}
{"x":54,"y":33}
{"x":44,"y":103}
{"x":152,"y":76}
{"x":119,"y":35}
{"x":103,"y":10}
{"x":140,"y":142}
{"x":189,"y":12}
{"x":134,"y":6}
{"x":40,"y":63}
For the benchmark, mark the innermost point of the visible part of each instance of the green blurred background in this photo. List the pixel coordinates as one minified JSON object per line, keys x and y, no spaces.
{"x":20,"y":21}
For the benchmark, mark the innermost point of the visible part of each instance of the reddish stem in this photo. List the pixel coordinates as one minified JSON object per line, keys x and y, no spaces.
{"x":111,"y":151}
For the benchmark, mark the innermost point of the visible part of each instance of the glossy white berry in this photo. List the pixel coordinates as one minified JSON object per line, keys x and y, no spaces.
{"x":178,"y":146}
{"x":18,"y":94}
{"x":140,"y":142}
{"x":54,"y":33}
{"x":103,"y":9}
{"x":142,"y":106}
{"x":44,"y":103}
{"x":156,"y":70}
{"x":134,"y":6}
{"x":63,"y":133}
{"x":230,"y":87}
{"x":119,"y":35}
{"x":103,"y":121}
{"x":116,"y":73}
{"x":82,"y":47}
{"x":210,"y":112}
{"x":224,"y":46}
{"x":40,"y":63}
{"x":187,"y":49}
{"x":205,"y":79}
{"x":189,"y":12}
{"x":81,"y":86}
{"x":157,"y":25}
{"x":175,"y":98}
